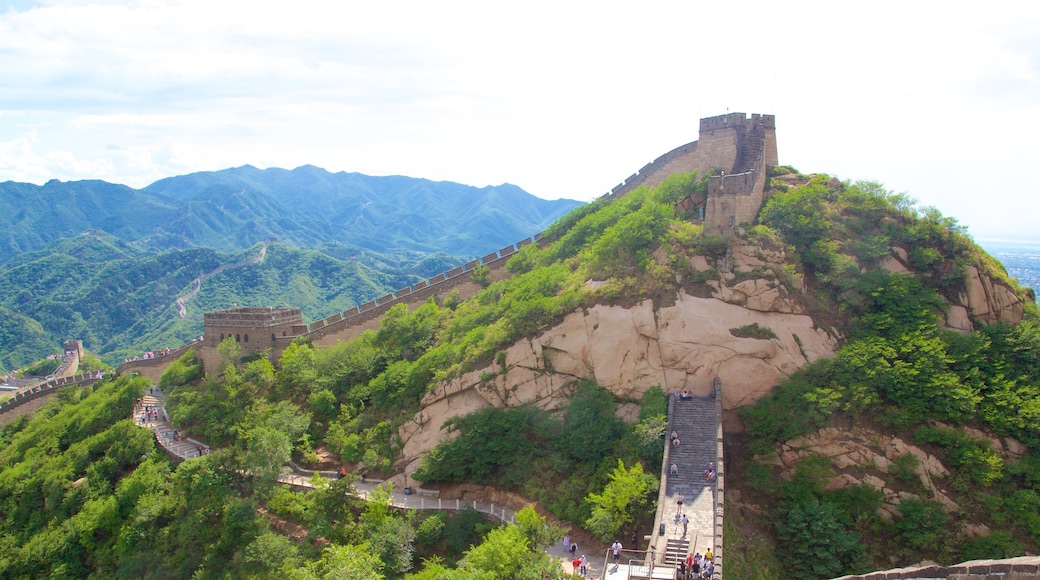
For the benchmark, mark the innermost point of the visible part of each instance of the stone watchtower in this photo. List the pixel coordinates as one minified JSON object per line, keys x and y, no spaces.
{"x":739,"y":149}
{"x":252,"y":328}
{"x":736,"y":196}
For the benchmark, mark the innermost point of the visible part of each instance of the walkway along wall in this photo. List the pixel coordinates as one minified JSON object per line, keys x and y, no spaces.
{"x":46,"y":388}
{"x":741,"y":147}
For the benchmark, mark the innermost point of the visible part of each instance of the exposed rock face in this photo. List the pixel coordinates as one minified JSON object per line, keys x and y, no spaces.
{"x":982,"y":300}
{"x":680,"y":347}
{"x":988,"y":301}
{"x":872,"y":454}
{"x":627,"y":350}
{"x":865,"y":457}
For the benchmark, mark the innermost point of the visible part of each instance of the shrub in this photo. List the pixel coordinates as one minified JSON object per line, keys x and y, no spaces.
{"x":753,"y":330}
{"x":817,"y":545}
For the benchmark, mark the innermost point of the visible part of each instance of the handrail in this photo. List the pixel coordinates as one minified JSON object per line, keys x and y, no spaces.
{"x":720,"y":481}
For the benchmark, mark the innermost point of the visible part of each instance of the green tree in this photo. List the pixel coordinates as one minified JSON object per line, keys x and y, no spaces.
{"x":539,"y":532}
{"x":628,"y":493}
{"x":229,"y":351}
{"x":342,"y":563}
{"x":817,"y":545}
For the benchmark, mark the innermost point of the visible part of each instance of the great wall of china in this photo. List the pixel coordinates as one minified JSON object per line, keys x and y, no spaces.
{"x":739,"y":148}
{"x":735,"y":149}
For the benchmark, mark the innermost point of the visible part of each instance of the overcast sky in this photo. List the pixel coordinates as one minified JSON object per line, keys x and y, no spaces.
{"x":562,"y":99}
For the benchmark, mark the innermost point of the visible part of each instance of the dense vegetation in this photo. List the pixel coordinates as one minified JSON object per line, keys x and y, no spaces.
{"x":85,"y":493}
{"x":121,"y":304}
{"x":103,"y":263}
{"x":306,"y":207}
{"x":900,"y":370}
{"x":896,"y":367}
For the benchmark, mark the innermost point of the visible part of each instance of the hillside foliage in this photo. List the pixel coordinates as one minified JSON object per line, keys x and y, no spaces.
{"x":896,"y":367}
{"x":900,"y":369}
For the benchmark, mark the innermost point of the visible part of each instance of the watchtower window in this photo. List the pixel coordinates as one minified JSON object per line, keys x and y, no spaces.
{"x":221,"y":337}
{"x":238,"y":338}
{"x":245,"y":338}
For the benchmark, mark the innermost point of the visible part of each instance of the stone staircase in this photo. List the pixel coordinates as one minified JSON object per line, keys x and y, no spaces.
{"x":676,"y":550}
{"x":694,"y":421}
{"x":175,"y":442}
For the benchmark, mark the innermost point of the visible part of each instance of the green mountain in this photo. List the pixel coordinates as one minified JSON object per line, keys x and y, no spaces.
{"x":83,"y":492}
{"x":104,"y":263}
{"x":120,"y":300}
{"x":307,"y":207}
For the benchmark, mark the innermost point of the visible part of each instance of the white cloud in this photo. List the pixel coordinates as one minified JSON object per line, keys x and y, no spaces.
{"x":561,"y":99}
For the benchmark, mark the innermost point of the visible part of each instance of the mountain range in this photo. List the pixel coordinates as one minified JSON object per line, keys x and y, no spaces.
{"x":307,"y":207}
{"x":104,"y":262}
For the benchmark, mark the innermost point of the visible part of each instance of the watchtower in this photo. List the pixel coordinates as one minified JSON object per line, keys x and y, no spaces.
{"x":252,"y":328}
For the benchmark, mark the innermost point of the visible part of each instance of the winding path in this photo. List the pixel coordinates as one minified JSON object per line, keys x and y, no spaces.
{"x":181,"y":447}
{"x":196,"y":284}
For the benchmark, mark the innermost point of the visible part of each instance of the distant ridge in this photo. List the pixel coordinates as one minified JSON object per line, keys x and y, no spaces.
{"x":307,"y":207}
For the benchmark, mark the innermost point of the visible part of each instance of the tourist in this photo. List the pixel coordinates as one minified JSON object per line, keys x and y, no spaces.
{"x":685,"y":523}
{"x":679,"y":500}
{"x":673,"y":470}
{"x":584,"y":565}
{"x":616,"y":548}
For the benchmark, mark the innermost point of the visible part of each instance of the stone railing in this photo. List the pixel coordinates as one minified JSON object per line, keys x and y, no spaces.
{"x":158,"y":360}
{"x":720,"y":480}
{"x":36,"y":391}
{"x":1021,"y":568}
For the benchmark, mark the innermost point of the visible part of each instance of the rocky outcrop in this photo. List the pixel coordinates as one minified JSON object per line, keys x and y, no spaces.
{"x":864,"y":456}
{"x":627,"y":350}
{"x":987,"y":300}
{"x":983,"y":299}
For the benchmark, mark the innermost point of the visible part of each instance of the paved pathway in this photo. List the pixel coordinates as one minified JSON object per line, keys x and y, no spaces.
{"x":184,"y":447}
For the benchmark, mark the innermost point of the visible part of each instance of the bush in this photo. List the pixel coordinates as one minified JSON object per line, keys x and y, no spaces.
{"x":753,"y":330}
{"x":817,"y":545}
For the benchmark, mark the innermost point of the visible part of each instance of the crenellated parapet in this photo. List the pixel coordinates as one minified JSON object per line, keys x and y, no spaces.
{"x":737,"y":147}
{"x":738,"y":150}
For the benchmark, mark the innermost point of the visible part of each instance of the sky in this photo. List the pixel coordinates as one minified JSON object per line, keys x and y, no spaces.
{"x":564,"y":99}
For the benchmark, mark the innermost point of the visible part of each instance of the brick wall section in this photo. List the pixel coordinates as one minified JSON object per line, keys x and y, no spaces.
{"x":44,"y":389}
{"x":734,"y":142}
{"x":1019,"y":568}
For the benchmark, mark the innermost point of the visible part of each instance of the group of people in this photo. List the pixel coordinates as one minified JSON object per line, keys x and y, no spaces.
{"x":581,"y":565}
{"x":695,"y":566}
{"x":684,"y":395}
{"x":158,"y":353}
{"x":149,"y":413}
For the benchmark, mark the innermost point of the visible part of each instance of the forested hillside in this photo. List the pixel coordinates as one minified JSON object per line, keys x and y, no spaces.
{"x":898,"y":370}
{"x":103,"y":263}
{"x":120,"y":302}
{"x":306,"y":207}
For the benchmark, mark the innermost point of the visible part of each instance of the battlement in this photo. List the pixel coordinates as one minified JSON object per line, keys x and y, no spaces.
{"x":253,"y":317}
{"x":738,"y":120}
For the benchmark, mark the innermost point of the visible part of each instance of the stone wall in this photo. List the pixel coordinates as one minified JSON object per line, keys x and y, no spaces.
{"x":1021,"y":568}
{"x":46,"y":388}
{"x":732,"y":142}
{"x":742,"y":147}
